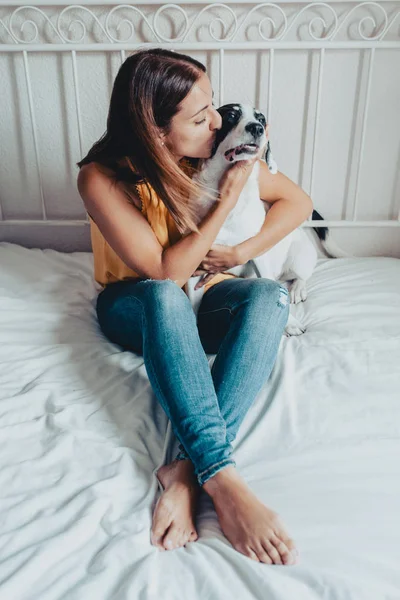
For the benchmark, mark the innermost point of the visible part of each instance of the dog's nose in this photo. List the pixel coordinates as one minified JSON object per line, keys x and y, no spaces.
{"x":256,"y":129}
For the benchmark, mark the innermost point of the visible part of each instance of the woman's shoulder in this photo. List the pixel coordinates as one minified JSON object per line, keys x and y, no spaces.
{"x":93,"y":172}
{"x":93,"y":176}
{"x":115,"y":171}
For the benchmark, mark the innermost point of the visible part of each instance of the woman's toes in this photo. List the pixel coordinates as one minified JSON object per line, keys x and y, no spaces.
{"x":253,"y":555}
{"x":156,"y":538}
{"x":249,"y":552}
{"x":157,"y":534}
{"x":284,"y":549}
{"x":161,"y":521}
{"x":181,"y":541}
{"x":168,"y":544}
{"x":188,"y":536}
{"x":272,"y":552}
{"x":192,"y":537}
{"x":172,"y":537}
{"x":291,"y":547}
{"x":263,"y":556}
{"x":176,"y":538}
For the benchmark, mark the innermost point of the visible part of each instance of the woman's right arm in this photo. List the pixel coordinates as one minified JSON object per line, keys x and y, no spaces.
{"x":131,"y":237}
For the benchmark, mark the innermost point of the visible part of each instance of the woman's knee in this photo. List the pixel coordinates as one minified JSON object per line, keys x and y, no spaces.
{"x":163,"y":294}
{"x":267,"y":292}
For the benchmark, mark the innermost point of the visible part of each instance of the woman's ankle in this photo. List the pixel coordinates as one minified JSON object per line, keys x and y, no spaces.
{"x":222,"y":480}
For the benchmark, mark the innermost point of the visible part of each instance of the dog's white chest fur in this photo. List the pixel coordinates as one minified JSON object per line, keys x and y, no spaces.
{"x":245,"y":218}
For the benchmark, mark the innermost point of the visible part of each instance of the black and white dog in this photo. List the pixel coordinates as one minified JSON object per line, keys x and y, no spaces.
{"x":292,"y":260}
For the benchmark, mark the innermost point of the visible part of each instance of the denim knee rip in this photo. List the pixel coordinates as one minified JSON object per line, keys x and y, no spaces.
{"x":283,"y":299}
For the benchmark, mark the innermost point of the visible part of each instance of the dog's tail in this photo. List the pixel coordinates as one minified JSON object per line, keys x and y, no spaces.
{"x":329,"y":246}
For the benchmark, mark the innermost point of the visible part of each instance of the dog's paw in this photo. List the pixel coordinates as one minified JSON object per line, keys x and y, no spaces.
{"x":293,"y":330}
{"x":293,"y":326}
{"x":298,"y":291}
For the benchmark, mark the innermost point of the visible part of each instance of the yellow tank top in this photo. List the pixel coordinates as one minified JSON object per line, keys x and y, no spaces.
{"x":109,"y":267}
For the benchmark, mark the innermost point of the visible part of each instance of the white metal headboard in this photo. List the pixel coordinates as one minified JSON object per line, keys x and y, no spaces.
{"x":211,"y":27}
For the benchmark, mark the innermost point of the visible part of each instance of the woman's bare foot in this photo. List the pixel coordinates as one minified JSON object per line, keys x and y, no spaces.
{"x":251,"y":527}
{"x":174,"y":514}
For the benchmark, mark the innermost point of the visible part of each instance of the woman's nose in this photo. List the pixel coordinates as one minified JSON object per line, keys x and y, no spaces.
{"x":217,"y":120}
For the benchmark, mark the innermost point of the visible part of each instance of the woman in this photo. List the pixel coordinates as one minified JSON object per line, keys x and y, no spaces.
{"x":135,"y":183}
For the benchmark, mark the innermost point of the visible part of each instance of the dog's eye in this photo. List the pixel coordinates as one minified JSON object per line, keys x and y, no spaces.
{"x":262,"y":120}
{"x":231,"y":116}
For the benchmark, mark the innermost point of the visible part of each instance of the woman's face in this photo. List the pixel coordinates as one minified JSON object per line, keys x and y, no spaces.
{"x":194,"y":127}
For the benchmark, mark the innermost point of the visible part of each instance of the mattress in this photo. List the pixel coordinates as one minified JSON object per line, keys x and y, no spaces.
{"x":81,"y":432}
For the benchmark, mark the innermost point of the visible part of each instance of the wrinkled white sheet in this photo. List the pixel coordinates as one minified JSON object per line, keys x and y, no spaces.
{"x":81,"y":432}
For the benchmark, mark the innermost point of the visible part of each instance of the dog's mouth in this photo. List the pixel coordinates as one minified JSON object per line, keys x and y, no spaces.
{"x":243,"y":148}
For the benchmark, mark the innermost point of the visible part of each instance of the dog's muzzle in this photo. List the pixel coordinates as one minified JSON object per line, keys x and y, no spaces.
{"x":242,"y":149}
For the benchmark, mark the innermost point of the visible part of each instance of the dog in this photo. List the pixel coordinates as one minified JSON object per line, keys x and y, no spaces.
{"x":292,"y":260}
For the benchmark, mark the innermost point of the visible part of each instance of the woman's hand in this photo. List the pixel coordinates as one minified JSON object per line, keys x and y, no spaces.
{"x":236,"y":176}
{"x":234,"y":179}
{"x":219,"y":258}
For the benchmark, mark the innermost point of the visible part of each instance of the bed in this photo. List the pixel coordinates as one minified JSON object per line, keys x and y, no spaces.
{"x":82,"y":432}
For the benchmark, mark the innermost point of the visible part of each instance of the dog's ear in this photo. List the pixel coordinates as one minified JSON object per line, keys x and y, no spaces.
{"x":269,"y":159}
{"x":264,"y":151}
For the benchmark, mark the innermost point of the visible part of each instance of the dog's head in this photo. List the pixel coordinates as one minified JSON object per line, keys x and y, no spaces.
{"x":242,"y":134}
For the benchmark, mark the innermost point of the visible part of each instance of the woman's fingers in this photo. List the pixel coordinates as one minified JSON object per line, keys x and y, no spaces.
{"x":203,"y":281}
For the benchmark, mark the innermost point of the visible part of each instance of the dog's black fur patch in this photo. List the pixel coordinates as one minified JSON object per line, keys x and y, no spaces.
{"x":321,"y":232}
{"x":231,"y":115}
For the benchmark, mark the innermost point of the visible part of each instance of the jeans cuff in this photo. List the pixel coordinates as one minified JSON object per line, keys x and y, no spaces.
{"x":214,"y":469}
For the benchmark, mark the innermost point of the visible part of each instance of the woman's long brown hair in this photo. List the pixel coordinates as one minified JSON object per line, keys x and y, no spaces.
{"x":147,"y":90}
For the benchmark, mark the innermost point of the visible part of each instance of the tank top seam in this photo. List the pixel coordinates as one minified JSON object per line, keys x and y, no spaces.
{"x":140,"y":198}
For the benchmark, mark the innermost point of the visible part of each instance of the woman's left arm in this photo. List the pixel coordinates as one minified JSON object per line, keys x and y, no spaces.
{"x":290,"y":208}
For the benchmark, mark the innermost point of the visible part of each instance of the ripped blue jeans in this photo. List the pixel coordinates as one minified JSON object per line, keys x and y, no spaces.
{"x":239,"y":320}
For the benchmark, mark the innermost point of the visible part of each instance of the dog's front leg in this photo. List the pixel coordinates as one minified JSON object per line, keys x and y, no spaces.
{"x":263,"y":266}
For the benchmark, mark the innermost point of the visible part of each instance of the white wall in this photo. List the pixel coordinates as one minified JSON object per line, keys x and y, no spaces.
{"x":291,"y":117}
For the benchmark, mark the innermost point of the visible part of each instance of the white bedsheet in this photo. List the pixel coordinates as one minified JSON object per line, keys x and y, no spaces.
{"x":81,"y":432}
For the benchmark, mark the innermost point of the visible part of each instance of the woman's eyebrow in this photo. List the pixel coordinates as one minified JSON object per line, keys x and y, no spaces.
{"x":199,"y":111}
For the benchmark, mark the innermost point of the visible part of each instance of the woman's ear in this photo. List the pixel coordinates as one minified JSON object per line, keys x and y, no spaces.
{"x":162,"y":136}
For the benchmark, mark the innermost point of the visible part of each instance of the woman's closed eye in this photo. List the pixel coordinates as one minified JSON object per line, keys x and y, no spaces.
{"x":203,"y":120}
